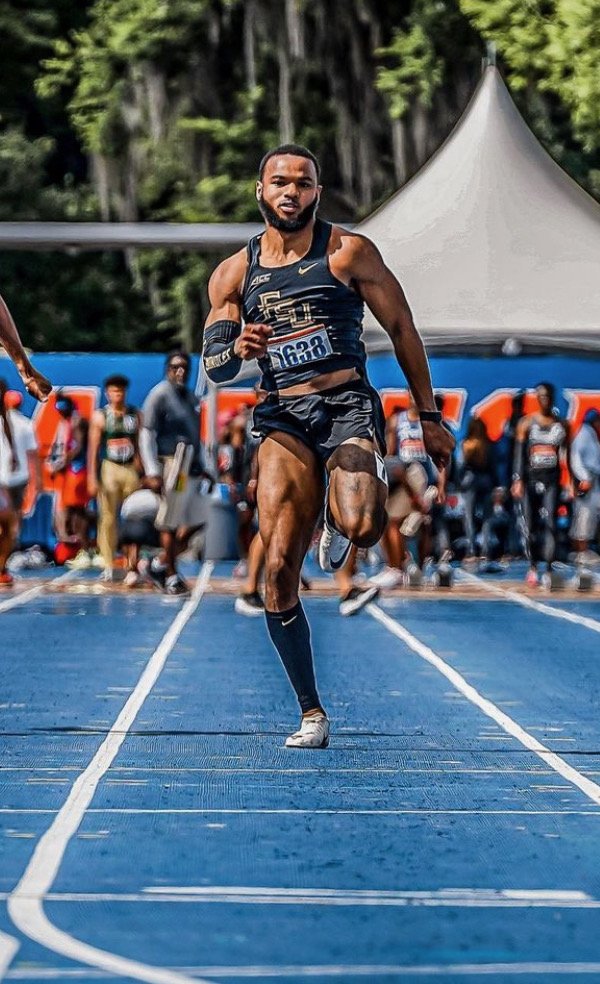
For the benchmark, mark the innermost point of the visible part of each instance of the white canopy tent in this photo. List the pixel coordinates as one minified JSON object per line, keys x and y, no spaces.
{"x":492,"y":240}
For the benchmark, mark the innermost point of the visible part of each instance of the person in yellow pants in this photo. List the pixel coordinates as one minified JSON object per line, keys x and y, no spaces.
{"x":114,"y":468}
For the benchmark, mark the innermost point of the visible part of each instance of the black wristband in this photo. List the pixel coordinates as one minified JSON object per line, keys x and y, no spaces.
{"x":432,"y":415}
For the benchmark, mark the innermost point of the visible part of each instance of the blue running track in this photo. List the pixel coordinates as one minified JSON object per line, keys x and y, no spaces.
{"x":154,"y":828}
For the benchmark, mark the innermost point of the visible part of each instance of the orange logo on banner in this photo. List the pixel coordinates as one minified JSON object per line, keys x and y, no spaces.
{"x":496,"y":409}
{"x":228,"y":403}
{"x":454,"y":403}
{"x":579,"y":402}
{"x":46,"y":419}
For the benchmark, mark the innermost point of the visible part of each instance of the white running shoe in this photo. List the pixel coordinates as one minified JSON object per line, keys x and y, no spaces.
{"x":131,"y":579}
{"x":357,"y":599}
{"x":313,"y":733}
{"x":389,"y":577}
{"x":249,"y":604}
{"x":334,"y":547}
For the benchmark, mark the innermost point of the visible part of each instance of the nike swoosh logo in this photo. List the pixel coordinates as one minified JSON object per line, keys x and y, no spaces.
{"x":302,"y":270}
{"x":289,"y":622}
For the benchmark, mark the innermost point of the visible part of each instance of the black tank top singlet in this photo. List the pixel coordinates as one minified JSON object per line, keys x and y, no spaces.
{"x":316,"y":319}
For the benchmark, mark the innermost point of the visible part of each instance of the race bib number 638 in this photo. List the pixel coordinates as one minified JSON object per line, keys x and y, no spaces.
{"x":310,"y":347}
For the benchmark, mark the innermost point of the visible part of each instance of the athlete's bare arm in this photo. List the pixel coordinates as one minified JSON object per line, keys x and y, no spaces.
{"x":566,"y":446}
{"x":35,"y":384}
{"x":225,"y":296}
{"x":94,"y":439}
{"x":521,"y":435}
{"x":356,"y":261}
{"x":391,"y":434}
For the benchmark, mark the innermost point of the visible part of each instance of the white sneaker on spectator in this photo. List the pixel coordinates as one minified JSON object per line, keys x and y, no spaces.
{"x":313,"y":733}
{"x":106,"y":576}
{"x":587,"y":558}
{"x":80,"y":562}
{"x":97,"y":561}
{"x":131,"y":579}
{"x":389,"y":577}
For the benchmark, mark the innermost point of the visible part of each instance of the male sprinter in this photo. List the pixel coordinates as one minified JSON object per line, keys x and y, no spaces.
{"x":299,"y":288}
{"x":33,"y":381}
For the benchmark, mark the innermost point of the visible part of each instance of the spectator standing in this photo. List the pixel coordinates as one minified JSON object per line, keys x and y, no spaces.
{"x":113,"y":468}
{"x":542,"y":444}
{"x":505,"y":454}
{"x":171,"y":424}
{"x":585,"y":465}
{"x":29,"y":465}
{"x":67,"y":463}
{"x":477,"y":479}
{"x":8,"y":467}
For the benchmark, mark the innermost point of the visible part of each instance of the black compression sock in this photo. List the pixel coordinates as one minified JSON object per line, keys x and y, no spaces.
{"x":290,"y":635}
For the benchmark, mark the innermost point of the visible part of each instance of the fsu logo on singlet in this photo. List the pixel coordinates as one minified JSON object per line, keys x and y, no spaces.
{"x":299,"y":340}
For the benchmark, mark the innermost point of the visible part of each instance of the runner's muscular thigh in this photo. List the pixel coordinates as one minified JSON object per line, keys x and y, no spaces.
{"x":356,"y":495}
{"x":289,"y":499}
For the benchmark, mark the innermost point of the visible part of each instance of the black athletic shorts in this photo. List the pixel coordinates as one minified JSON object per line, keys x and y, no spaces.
{"x":324,"y":420}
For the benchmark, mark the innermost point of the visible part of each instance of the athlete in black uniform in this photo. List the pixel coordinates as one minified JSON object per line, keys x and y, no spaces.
{"x":542,"y":439}
{"x":299,"y":288}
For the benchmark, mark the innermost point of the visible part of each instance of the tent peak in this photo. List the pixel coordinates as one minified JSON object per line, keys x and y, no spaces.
{"x":490,"y":55}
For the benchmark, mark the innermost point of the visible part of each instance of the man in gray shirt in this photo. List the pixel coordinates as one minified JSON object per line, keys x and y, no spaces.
{"x":172,"y":458}
{"x":585,"y":464}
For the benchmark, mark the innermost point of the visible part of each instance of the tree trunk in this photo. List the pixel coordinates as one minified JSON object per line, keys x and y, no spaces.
{"x":286,"y":123}
{"x":294,"y":29}
{"x":399,"y":150}
{"x":249,"y":46}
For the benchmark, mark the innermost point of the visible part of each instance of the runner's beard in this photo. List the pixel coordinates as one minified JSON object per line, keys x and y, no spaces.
{"x":288,"y":225}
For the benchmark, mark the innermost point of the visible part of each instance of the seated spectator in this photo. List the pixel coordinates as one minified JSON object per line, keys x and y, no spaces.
{"x":113,"y":465}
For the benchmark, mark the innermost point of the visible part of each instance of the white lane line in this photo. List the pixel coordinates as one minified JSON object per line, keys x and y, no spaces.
{"x":293,"y":811}
{"x":589,"y":788}
{"x":345,"y":971}
{"x":8,"y":949}
{"x":25,"y":596}
{"x":8,"y":944}
{"x":443,"y":898}
{"x":526,"y":602}
{"x":25,"y":903}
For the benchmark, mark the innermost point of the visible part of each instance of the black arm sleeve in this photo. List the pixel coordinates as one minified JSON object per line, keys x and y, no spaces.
{"x":220,"y":361}
{"x":518,"y":462}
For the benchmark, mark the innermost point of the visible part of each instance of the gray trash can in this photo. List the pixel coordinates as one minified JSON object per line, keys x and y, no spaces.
{"x":221,"y":542}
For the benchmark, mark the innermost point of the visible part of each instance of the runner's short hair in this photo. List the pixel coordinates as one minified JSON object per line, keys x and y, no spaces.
{"x":117,"y":379}
{"x":294,"y":150}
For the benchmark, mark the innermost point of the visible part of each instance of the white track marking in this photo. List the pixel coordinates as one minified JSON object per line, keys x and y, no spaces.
{"x":371,"y":971}
{"x":8,"y":949}
{"x":298,"y":811}
{"x":589,"y":788}
{"x":526,"y":602}
{"x":25,"y":596}
{"x":25,"y":903}
{"x":8,"y":944}
{"x":444,"y":898}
